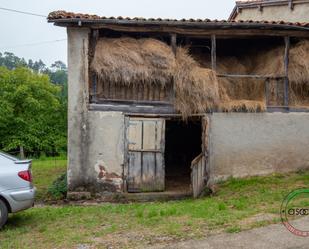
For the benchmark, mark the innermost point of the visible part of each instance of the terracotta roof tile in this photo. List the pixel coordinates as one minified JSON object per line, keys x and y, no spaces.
{"x":63,"y":15}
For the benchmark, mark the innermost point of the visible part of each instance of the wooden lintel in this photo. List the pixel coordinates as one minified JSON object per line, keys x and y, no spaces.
{"x":167,"y":109}
{"x":130,"y":102}
{"x":202,"y":30}
{"x":213,"y":53}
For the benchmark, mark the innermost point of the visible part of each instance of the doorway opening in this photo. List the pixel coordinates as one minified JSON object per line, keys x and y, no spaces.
{"x":183,"y":143}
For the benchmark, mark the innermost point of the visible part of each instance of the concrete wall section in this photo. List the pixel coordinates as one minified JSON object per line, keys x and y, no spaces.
{"x":244,"y":144}
{"x":77,"y":105}
{"x":276,"y":13}
{"x":106,"y":151}
{"x":95,"y":139}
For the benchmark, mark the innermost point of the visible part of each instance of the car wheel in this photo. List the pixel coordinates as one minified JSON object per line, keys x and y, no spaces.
{"x":3,"y":213}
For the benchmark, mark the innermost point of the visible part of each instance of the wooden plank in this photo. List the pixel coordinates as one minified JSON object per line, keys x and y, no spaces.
{"x":198,"y":175}
{"x":196,"y":160}
{"x":149,"y":138}
{"x":286,"y":70}
{"x":149,"y":172}
{"x":205,"y":145}
{"x":213,"y":53}
{"x":134,"y":180}
{"x":95,"y":91}
{"x":94,"y":81}
{"x":251,"y":76}
{"x":126,"y":155}
{"x":152,"y":172}
{"x":153,"y":136}
{"x":267,"y":91}
{"x":199,"y":29}
{"x":135,"y":135}
{"x":160,"y":171}
{"x":160,"y":135}
{"x":135,"y":109}
{"x":130,"y":102}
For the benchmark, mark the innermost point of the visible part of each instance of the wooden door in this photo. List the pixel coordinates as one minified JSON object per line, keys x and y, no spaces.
{"x":199,"y":174}
{"x":145,"y":140}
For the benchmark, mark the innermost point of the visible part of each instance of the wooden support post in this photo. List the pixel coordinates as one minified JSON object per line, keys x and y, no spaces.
{"x":267,"y":91}
{"x":286,"y":70}
{"x":94,"y":88}
{"x":174,"y":47}
{"x":260,"y":8}
{"x":174,"y":42}
{"x":94,"y":39}
{"x":213,"y":53}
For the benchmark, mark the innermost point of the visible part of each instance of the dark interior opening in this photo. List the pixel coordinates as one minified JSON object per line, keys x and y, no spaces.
{"x":183,"y":142}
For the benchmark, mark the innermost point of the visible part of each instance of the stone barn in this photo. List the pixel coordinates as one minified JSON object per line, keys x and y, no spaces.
{"x":169,"y":107}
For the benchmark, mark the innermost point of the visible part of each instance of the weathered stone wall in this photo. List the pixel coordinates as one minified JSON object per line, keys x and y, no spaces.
{"x":276,"y":13}
{"x":106,"y":150}
{"x":77,"y":105}
{"x":95,"y":139}
{"x":246,"y":144}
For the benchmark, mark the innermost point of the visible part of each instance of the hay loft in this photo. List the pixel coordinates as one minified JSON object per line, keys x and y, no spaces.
{"x":134,"y":61}
{"x":150,"y":62}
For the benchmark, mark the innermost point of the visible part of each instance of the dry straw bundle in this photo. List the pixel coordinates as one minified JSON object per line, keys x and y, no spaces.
{"x":196,"y":88}
{"x":132,"y":61}
{"x":150,"y":62}
{"x":272,"y":63}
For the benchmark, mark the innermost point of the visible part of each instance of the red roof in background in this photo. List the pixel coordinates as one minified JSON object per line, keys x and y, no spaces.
{"x":58,"y":16}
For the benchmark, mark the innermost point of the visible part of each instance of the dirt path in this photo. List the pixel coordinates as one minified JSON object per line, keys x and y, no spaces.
{"x":272,"y":236}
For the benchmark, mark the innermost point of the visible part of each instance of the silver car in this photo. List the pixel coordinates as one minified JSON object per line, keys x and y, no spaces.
{"x":16,"y":189}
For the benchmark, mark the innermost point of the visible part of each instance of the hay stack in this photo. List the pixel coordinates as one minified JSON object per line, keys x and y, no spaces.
{"x":239,"y":94}
{"x":272,"y":63}
{"x":132,"y":61}
{"x":196,"y":88}
{"x":236,"y":94}
{"x":150,"y":61}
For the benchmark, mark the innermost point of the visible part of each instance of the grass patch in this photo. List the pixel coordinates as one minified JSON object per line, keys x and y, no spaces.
{"x":233,"y":229}
{"x":45,"y":171}
{"x":138,"y":224}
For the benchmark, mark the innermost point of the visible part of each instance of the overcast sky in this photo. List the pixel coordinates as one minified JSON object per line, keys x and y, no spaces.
{"x":18,"y":32}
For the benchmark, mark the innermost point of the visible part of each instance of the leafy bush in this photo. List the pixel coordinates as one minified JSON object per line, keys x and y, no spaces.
{"x":58,"y":189}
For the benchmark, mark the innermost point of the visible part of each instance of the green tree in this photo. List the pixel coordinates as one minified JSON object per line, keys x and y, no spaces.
{"x":59,"y":65}
{"x":32,"y":115}
{"x":11,"y":61}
